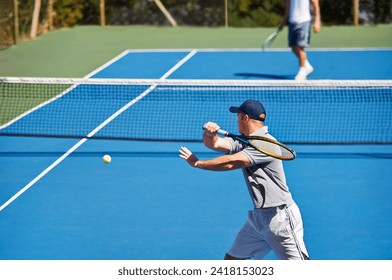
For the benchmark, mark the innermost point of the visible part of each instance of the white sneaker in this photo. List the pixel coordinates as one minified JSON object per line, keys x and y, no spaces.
{"x":304,"y":72}
{"x":309,"y":67}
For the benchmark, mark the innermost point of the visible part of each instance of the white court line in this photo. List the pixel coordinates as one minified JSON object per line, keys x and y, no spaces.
{"x":93,"y":132}
{"x":21,"y":116}
{"x":110,"y":62}
{"x":37,"y":107}
{"x":285,"y":49}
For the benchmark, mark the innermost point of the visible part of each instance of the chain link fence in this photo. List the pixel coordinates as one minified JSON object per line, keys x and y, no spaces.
{"x":188,"y":12}
{"x":6,"y":24}
{"x":15,"y":23}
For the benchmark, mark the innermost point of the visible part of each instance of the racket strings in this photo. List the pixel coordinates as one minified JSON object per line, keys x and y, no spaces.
{"x":272,"y":149}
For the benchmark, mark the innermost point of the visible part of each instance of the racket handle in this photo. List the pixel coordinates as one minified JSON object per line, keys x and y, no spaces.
{"x":220,"y":131}
{"x":223,"y":132}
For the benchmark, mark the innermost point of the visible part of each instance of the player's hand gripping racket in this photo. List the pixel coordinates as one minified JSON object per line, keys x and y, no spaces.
{"x":264,"y":145}
{"x":271,"y":38}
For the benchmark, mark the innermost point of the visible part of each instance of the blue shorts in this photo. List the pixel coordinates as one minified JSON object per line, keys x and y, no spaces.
{"x":299,"y":34}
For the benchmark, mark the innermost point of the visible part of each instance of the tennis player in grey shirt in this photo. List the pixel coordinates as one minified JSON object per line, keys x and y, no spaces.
{"x":275,"y":223}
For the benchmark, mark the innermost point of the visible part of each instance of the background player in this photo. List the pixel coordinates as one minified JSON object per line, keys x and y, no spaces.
{"x":297,"y":13}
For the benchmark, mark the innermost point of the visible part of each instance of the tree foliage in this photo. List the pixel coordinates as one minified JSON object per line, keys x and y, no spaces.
{"x":241,"y":13}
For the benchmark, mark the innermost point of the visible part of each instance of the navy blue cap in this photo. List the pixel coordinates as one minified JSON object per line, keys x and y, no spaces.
{"x":253,"y":108}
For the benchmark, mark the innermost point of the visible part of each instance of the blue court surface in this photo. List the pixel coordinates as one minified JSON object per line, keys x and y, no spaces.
{"x":59,"y":201}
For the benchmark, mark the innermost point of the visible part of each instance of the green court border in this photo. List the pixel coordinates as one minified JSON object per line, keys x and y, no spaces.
{"x":75,"y":52}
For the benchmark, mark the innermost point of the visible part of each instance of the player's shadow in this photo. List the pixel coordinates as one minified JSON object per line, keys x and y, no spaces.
{"x":264,"y":76}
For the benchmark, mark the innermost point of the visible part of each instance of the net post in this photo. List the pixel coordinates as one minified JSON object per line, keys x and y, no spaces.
{"x":16,"y":21}
{"x":355,"y":11}
{"x":34,"y":24}
{"x":102,"y":19}
{"x":50,"y":14}
{"x":226,"y":14}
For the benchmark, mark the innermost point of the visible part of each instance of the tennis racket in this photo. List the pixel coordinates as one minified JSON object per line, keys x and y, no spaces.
{"x":265,"y":145}
{"x":271,"y":38}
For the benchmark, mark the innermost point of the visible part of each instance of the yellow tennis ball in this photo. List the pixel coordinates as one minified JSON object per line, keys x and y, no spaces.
{"x":106,"y":159}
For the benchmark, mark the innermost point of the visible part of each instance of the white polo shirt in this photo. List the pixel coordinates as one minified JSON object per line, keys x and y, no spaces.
{"x":265,"y":178}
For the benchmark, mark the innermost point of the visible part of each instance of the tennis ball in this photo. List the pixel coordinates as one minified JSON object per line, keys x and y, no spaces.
{"x":106,"y":159}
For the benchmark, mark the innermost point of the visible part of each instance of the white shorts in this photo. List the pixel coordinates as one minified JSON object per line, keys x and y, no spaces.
{"x":278,"y":229}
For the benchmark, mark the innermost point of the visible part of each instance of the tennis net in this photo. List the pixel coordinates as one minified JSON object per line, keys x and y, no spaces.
{"x":311,"y":112}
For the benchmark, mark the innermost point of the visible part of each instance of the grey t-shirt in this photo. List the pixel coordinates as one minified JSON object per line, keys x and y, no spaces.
{"x":265,"y":178}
